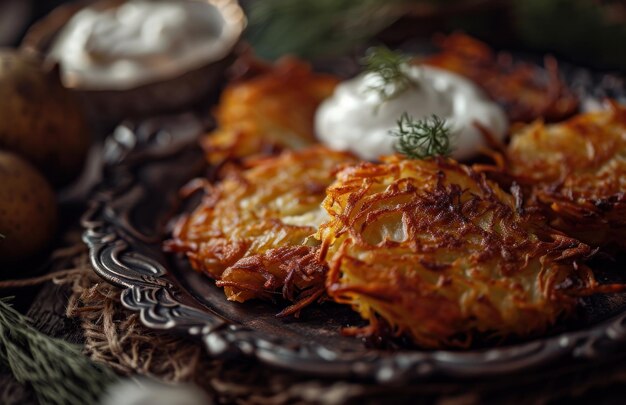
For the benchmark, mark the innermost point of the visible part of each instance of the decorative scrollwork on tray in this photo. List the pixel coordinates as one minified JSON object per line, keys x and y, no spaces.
{"x":127,"y":257}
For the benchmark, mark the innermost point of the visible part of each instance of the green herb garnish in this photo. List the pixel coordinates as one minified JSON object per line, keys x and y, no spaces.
{"x":420,"y":139}
{"x":57,"y":371}
{"x":391,"y":67}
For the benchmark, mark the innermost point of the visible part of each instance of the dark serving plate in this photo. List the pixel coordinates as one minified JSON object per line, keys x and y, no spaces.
{"x":127,"y":220}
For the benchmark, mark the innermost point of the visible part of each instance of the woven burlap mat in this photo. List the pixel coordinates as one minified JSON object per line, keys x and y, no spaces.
{"x":115,"y":336}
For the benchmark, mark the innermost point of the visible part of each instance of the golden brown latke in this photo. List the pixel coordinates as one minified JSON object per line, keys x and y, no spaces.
{"x":577,"y":171}
{"x":250,"y":231}
{"x":438,"y":253}
{"x":526,"y":92}
{"x":271,"y":111}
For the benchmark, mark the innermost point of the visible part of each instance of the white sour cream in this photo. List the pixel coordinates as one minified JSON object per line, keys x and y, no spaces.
{"x":357,"y":119}
{"x":140,"y":42}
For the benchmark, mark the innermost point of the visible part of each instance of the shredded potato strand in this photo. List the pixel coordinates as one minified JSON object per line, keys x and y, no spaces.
{"x":437,"y":252}
{"x":269,"y":112}
{"x":251,"y":232}
{"x":527,"y":92}
{"x":577,"y":173}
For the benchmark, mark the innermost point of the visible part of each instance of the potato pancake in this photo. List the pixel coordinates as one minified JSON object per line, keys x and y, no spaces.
{"x":577,"y":171}
{"x":250,"y":231}
{"x":271,"y":111}
{"x":431,"y":250}
{"x":525,"y":91}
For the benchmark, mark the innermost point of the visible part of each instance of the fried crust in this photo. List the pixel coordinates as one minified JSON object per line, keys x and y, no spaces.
{"x":577,"y":173}
{"x":251,"y":230}
{"x":434,"y":251}
{"x":271,"y":111}
{"x":525,"y":91}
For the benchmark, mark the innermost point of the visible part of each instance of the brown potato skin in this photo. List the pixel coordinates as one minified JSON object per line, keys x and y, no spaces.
{"x":28,"y":210}
{"x":39,"y":119}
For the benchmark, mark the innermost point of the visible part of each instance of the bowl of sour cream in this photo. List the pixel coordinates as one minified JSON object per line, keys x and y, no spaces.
{"x":138,"y":57}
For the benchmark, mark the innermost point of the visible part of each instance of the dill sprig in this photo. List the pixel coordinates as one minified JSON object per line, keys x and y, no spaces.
{"x":420,"y":139}
{"x":56,"y":370}
{"x":391,"y":69}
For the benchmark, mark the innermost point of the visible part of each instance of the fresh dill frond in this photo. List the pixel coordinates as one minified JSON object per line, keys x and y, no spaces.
{"x":420,"y":139}
{"x":56,"y":370}
{"x":391,"y":69}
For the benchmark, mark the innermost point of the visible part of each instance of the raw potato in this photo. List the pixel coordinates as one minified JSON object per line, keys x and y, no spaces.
{"x":28,"y":210}
{"x":39,"y":119}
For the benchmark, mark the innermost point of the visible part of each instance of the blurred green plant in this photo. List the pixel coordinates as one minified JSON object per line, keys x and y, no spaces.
{"x":589,"y":31}
{"x":310,"y":28}
{"x":56,"y":370}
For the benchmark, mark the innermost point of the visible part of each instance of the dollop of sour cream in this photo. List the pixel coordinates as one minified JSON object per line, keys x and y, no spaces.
{"x":357,"y":118}
{"x":140,"y":41}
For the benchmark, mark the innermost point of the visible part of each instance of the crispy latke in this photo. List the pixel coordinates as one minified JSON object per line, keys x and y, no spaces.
{"x":434,"y":251}
{"x":271,"y":111}
{"x":526,"y":92}
{"x":577,"y":171}
{"x":250,"y":231}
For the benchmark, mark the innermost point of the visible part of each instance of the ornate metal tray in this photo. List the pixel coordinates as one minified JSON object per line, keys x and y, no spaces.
{"x":127,"y":220}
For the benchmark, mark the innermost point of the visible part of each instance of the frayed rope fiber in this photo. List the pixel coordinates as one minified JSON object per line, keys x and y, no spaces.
{"x":114,"y":336}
